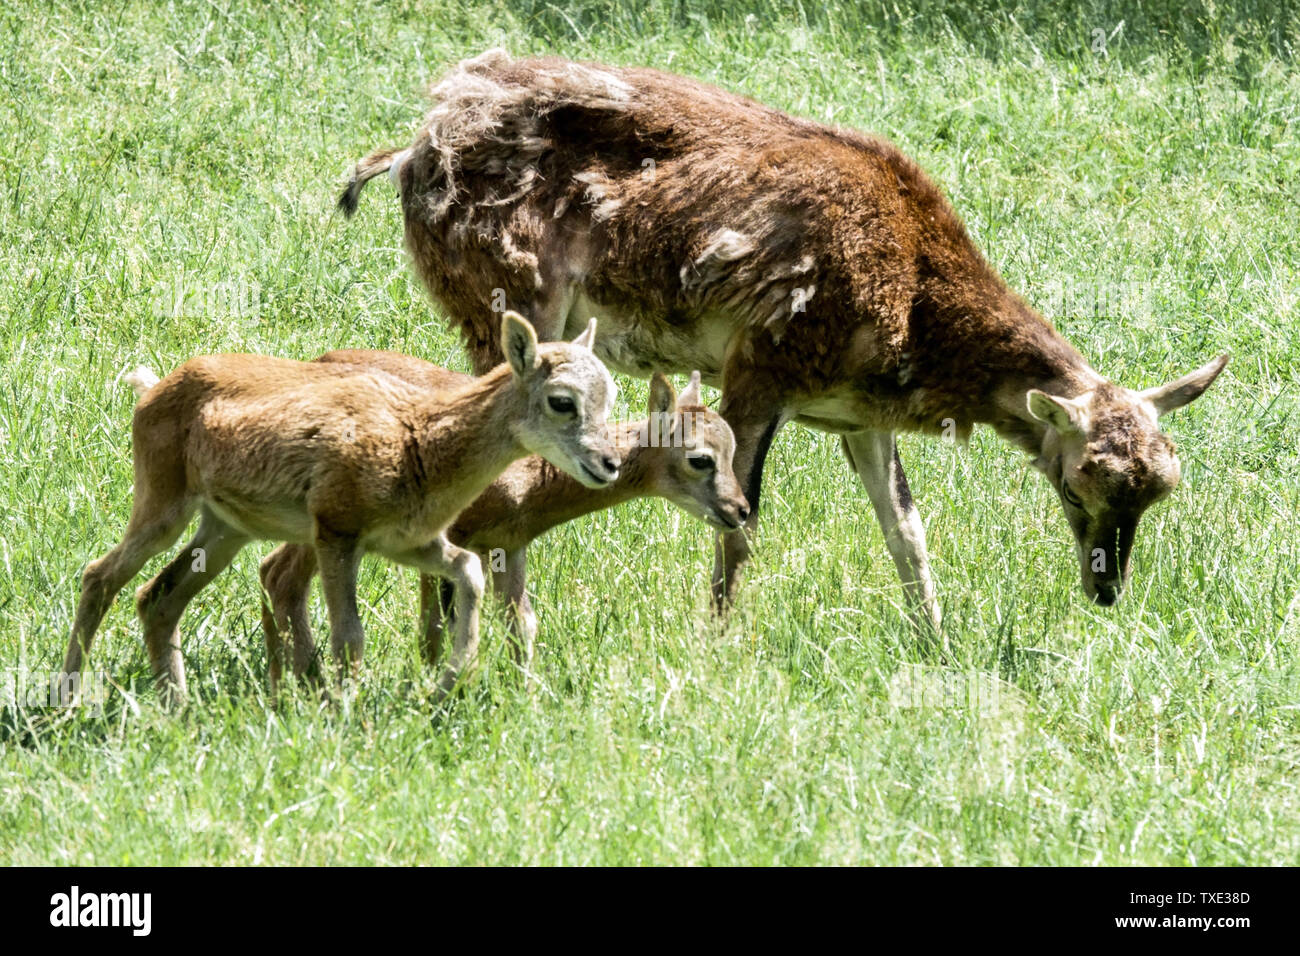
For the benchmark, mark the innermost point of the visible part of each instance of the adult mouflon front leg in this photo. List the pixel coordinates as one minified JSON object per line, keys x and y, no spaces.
{"x":874,"y":456}
{"x":511,"y":587}
{"x":755,"y":415}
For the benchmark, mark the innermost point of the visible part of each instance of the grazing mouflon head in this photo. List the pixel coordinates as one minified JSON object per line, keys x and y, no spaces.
{"x":689,"y":454}
{"x":1104,"y":453}
{"x":568,"y":394}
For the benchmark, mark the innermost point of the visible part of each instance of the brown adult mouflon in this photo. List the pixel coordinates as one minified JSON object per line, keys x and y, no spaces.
{"x":815,"y":274}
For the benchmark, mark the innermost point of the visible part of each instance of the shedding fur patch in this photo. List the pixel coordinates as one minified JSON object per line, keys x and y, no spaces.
{"x":714,"y":263}
{"x":493,"y":126}
{"x":596,"y":195}
{"x":718,"y":227}
{"x":488,"y":127}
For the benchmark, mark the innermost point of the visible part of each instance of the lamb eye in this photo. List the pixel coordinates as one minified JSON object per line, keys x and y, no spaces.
{"x":562,"y":404}
{"x":1068,"y":494}
{"x":700,"y":462}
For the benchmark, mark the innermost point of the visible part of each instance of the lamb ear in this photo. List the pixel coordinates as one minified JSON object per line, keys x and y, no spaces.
{"x":663,"y":399}
{"x":588,"y":338}
{"x":1061,"y":413}
{"x":519,"y":343}
{"x":1187,"y":389}
{"x":691,"y":393}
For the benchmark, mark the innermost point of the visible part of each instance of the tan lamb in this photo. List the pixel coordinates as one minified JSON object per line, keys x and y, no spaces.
{"x":344,"y":460}
{"x":681,"y":452}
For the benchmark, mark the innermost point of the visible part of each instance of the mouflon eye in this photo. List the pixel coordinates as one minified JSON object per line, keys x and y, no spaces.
{"x":1068,"y":494}
{"x":562,"y":404}
{"x":700,"y":462}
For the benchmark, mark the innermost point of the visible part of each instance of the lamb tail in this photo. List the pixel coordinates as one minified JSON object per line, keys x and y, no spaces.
{"x":141,"y":379}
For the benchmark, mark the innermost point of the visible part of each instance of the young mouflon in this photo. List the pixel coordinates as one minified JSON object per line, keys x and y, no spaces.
{"x":681,"y":452}
{"x":815,"y":274}
{"x":345,"y":460}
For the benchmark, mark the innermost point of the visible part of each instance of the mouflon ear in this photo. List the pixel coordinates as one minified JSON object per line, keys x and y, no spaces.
{"x":1184,"y":390}
{"x":663,"y":398}
{"x":1063,"y":414}
{"x":588,"y":338}
{"x":519,"y":343}
{"x":691,"y":393}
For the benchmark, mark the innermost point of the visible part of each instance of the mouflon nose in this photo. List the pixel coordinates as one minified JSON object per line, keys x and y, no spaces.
{"x":1107,"y":593}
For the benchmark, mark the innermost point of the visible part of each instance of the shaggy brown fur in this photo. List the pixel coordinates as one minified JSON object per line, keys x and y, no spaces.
{"x":815,"y":274}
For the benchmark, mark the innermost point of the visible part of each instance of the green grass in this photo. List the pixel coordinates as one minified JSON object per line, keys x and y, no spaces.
{"x":205,"y":142}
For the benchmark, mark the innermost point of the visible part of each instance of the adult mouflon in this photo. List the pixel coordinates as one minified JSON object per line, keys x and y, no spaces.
{"x":815,"y":274}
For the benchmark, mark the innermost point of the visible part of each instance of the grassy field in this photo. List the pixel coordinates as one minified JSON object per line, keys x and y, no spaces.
{"x":167,"y":189}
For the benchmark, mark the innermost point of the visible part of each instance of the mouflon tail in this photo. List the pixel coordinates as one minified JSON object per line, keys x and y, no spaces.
{"x":380,"y":161}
